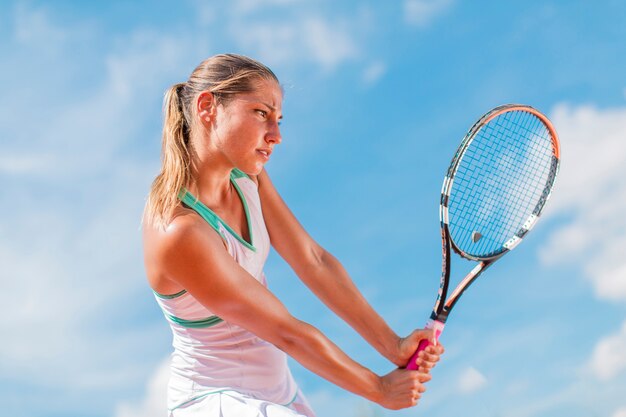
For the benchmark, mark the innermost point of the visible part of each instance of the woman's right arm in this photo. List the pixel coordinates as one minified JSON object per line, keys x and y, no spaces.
{"x":193,"y":255}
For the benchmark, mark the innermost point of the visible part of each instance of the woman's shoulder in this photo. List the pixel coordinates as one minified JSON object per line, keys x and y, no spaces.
{"x":160,"y":242}
{"x":167,"y":247}
{"x":185,"y":225}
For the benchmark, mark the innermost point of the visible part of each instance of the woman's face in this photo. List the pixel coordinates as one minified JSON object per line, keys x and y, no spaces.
{"x":246,"y":128}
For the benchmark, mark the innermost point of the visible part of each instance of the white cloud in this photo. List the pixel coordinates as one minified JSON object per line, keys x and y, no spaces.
{"x":21,"y":164}
{"x":249,"y":6}
{"x":609,"y":355}
{"x":154,"y":403}
{"x":591,"y":194}
{"x":34,"y":26}
{"x":298,"y":41}
{"x":113,"y":114}
{"x":297,"y":37}
{"x":329,"y":44}
{"x":421,"y":13}
{"x":471,"y":380}
{"x":621,"y":412}
{"x":374,"y":72}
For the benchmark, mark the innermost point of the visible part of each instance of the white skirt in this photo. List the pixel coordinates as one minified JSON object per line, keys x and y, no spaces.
{"x":235,"y":404}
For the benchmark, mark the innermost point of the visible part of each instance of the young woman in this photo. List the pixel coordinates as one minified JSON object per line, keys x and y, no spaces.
{"x":210,"y":218}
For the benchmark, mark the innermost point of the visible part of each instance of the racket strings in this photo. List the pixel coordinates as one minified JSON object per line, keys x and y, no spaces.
{"x":534,"y":176}
{"x":494,"y":188}
{"x":506,"y":217}
{"x":502,"y":176}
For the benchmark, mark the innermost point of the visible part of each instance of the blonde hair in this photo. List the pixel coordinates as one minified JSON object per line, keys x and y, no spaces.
{"x":223,"y":75}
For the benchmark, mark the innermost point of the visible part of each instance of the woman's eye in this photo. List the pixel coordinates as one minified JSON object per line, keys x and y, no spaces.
{"x":262,"y":113}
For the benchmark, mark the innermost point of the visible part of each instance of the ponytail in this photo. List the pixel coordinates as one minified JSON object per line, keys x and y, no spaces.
{"x":175,"y":160}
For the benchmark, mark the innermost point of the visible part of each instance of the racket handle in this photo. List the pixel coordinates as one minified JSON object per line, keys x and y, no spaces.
{"x":431,"y":324}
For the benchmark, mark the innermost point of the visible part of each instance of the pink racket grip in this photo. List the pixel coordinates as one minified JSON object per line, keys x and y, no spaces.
{"x":431,"y":324}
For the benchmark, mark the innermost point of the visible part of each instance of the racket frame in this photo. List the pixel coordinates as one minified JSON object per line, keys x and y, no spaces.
{"x":441,"y":310}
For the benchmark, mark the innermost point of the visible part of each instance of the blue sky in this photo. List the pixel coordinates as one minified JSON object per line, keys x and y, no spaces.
{"x":378,"y":96}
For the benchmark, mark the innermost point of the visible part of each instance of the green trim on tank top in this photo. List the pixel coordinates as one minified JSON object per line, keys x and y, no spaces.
{"x":192,"y":202}
{"x":195,"y":324}
{"x":237,"y":173}
{"x":169,"y":296}
{"x":292,"y":400}
{"x":213,"y":219}
{"x":247,"y":212}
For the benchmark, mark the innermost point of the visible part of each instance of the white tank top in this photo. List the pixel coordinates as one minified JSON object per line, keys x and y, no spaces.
{"x":210,"y":354}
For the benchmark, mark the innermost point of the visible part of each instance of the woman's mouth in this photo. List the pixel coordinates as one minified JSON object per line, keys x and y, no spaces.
{"x":265,"y":153}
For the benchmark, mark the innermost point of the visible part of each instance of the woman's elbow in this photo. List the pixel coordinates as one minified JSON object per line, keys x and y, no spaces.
{"x":295,"y":335}
{"x":316,"y":259}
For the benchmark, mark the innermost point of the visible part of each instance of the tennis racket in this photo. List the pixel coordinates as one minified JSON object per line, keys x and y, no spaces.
{"x":493,"y":194}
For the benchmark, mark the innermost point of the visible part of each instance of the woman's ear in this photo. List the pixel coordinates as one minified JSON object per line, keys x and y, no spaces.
{"x":206,"y":107}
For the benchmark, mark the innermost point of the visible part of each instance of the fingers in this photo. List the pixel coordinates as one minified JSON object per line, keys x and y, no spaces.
{"x":403,"y":388}
{"x":418,"y":387}
{"x":423,"y":377}
{"x":435,"y":349}
{"x":428,"y":358}
{"x":408,"y":345}
{"x":421,"y":389}
{"x":428,"y":334}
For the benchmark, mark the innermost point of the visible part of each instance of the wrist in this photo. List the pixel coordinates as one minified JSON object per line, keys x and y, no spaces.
{"x":388,"y":344}
{"x":375,"y":393}
{"x":394,"y":350}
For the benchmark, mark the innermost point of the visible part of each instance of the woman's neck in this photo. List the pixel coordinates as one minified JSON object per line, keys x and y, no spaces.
{"x":211,"y":180}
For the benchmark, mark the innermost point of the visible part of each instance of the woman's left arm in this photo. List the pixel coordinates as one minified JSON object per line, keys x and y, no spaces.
{"x":328,"y":279}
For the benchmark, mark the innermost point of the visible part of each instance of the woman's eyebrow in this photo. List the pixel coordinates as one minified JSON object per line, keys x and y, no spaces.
{"x":269,"y":106}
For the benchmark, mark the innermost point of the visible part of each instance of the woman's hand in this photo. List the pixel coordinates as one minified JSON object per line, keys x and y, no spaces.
{"x":426,"y":359}
{"x":402,"y":388}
